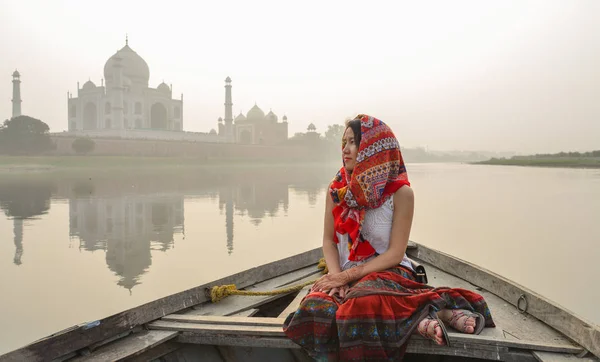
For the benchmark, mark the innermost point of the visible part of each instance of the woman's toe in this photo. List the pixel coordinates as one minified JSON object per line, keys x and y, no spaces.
{"x":438,"y":334}
{"x":470,"y":325}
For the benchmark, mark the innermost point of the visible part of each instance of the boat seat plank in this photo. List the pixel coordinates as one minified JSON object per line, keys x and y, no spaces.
{"x":521,"y":344}
{"x":294,"y":304}
{"x":225,"y":320}
{"x":422,"y":346}
{"x":419,"y":346}
{"x":246,"y":313}
{"x":272,"y":328}
{"x":509,"y":322}
{"x":248,"y":330}
{"x":236,"y":340}
{"x":561,"y":357}
{"x":238,"y":303}
{"x":130,"y":346}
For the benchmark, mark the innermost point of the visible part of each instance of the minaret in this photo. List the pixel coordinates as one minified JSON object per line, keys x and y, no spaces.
{"x":228,"y":111}
{"x":16,"y":101}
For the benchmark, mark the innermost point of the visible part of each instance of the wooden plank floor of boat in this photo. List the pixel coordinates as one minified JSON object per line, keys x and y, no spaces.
{"x":217,"y":331}
{"x":514,"y":331}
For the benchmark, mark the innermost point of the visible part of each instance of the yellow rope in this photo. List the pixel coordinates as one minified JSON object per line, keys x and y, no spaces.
{"x":323,"y":265}
{"x":219,"y":292}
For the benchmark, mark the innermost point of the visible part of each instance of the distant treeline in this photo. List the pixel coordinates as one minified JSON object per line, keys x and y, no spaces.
{"x":562,"y":159}
{"x":562,"y":155}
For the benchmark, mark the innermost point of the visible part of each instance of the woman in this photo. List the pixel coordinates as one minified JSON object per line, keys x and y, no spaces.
{"x":369,"y":303}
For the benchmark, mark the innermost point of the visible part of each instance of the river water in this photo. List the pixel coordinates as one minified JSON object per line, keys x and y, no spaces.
{"x":79,"y":246}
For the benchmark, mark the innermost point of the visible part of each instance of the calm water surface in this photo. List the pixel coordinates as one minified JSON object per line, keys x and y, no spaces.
{"x":79,"y":247}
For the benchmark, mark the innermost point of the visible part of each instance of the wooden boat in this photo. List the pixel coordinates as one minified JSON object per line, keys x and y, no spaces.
{"x":188,"y":326}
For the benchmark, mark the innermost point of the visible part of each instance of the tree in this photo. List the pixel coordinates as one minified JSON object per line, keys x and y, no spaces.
{"x":83,"y":145}
{"x":334,"y":133}
{"x":24,"y":135}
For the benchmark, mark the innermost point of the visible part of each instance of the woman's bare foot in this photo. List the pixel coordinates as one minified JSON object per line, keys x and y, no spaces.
{"x":459,"y":319}
{"x":431,"y":329}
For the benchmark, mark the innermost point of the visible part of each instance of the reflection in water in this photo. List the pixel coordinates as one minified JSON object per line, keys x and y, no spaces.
{"x":23,"y":200}
{"x":126,"y":229}
{"x":226,"y":197}
{"x":129,"y":216}
{"x":256,"y":200}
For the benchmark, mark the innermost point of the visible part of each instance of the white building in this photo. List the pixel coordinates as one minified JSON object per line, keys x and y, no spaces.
{"x":127,"y":108}
{"x":126,"y":102}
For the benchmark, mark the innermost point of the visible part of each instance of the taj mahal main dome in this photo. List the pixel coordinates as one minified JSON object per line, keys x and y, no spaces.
{"x":134,"y":67}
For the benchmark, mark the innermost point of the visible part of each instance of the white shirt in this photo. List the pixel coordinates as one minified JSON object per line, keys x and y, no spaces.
{"x":377,"y":229}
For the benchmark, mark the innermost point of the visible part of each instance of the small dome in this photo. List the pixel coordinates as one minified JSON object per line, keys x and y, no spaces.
{"x":271,"y":117}
{"x":220,"y":120}
{"x":228,"y":80}
{"x":255,"y":114}
{"x":163,"y":88}
{"x":240,"y":117}
{"x":16,"y":73}
{"x":89,"y":85}
{"x":213,"y":132}
{"x":311,"y":127}
{"x":284,"y":118}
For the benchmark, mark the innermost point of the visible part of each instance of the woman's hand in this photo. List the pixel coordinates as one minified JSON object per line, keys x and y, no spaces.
{"x":340,"y":291}
{"x":327,"y":282}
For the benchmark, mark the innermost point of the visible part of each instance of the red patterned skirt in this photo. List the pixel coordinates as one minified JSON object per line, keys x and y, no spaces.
{"x":376,"y":319}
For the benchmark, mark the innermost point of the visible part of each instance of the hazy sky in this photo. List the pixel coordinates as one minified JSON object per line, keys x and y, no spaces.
{"x":474,"y":75}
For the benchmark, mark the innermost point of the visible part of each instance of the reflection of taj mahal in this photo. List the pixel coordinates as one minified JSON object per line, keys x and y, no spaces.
{"x":131,"y":224}
{"x":126,"y":107}
{"x":127,"y":228}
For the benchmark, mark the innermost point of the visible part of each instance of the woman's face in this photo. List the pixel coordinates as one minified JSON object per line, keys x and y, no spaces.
{"x":349,"y":150}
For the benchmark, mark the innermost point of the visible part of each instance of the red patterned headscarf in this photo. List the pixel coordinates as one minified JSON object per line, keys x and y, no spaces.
{"x":379,"y":172}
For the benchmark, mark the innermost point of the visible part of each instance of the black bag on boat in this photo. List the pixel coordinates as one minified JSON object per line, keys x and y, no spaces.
{"x":420,"y":273}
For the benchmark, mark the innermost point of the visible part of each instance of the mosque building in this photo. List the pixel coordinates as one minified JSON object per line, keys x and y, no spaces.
{"x":257,"y":128}
{"x":253,"y":128}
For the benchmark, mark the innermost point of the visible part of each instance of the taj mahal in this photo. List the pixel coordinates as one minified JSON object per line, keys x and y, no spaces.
{"x":125,"y":106}
{"x":126,"y":101}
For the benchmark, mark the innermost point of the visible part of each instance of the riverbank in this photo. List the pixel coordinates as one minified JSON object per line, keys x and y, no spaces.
{"x":567,"y":162}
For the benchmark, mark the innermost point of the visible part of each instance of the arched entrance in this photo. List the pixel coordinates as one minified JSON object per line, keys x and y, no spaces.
{"x":90,"y":116}
{"x":158,"y":116}
{"x":246,"y":137}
